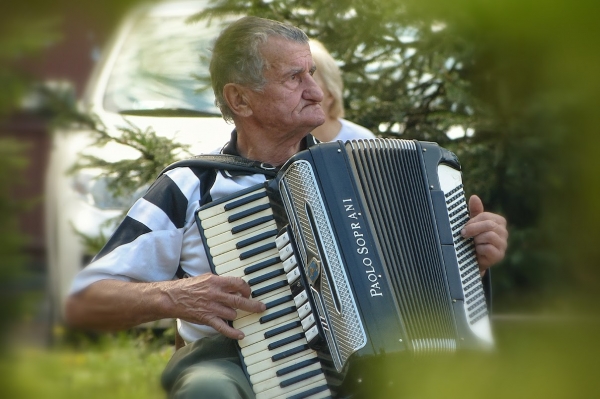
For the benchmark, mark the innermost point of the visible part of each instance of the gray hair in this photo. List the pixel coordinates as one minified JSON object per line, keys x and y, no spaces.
{"x":236,"y":56}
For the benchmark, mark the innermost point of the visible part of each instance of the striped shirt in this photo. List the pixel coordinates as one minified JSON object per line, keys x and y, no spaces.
{"x":159,"y":233}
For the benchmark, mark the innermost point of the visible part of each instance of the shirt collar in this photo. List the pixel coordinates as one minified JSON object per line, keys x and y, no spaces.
{"x":231,"y":147}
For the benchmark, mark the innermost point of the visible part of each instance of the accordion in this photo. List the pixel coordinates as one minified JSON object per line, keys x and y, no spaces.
{"x":356,"y":250}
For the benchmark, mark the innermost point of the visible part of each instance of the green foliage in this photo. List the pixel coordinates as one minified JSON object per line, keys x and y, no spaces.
{"x":127,"y":175}
{"x":123,"y":366}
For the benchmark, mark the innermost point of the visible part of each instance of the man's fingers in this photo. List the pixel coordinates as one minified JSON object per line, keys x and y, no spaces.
{"x":234,"y":293}
{"x":488,"y":255}
{"x":210,"y":299}
{"x":233,"y":284}
{"x":222,"y":311}
{"x":484,"y":223}
{"x":475,"y":206}
{"x":489,"y":234}
{"x":221,"y":326}
{"x":249,"y":305}
{"x":491,"y":238}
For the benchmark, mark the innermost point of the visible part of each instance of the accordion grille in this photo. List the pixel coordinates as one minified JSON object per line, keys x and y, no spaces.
{"x":396,"y":195}
{"x":343,"y":330}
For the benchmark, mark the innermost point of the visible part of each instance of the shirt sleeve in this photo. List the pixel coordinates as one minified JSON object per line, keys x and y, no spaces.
{"x":147,"y":244}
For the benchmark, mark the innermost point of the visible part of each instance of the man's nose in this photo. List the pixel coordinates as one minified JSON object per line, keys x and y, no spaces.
{"x":312,"y":91}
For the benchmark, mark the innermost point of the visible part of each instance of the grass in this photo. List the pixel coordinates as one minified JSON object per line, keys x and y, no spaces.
{"x":119,"y":367}
{"x":544,"y":359}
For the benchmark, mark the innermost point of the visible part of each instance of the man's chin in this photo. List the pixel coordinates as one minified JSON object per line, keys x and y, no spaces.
{"x":319,"y":120}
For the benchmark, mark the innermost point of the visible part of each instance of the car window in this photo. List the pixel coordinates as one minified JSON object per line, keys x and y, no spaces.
{"x":160,"y":65}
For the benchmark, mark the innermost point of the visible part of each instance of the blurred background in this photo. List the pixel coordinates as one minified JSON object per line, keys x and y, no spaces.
{"x":511,"y":87}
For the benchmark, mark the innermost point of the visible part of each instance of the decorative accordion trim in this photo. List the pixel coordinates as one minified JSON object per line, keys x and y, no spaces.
{"x":343,"y":327}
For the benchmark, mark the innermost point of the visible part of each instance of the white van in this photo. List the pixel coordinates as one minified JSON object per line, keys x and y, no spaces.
{"x":148,"y":76}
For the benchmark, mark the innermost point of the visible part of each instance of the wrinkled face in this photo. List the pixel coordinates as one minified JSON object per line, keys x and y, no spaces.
{"x":289,"y":103}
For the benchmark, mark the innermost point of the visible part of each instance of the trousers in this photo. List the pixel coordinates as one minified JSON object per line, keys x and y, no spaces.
{"x":209,"y":368}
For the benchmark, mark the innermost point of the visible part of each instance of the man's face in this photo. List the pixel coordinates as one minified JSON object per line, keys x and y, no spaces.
{"x":289,"y":104}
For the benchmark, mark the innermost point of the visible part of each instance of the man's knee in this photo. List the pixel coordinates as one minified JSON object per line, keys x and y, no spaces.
{"x":219,"y":379}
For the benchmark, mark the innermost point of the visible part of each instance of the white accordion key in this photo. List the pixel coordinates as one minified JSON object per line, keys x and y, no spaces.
{"x":220,"y":210}
{"x":228,"y":229}
{"x":271,"y":372}
{"x":272,"y":296}
{"x":236,"y":262}
{"x":281,"y":351}
{"x":289,"y":391}
{"x":256,"y":317}
{"x":260,"y":346}
{"x":276,"y":381}
{"x":232,"y":244}
{"x":258,"y":328}
{"x":268,"y":364}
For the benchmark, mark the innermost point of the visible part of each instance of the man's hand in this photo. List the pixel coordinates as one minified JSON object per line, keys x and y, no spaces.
{"x":489,"y":234}
{"x":210,"y":300}
{"x":112,"y":305}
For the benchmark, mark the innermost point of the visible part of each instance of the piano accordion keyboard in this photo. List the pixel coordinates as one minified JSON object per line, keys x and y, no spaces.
{"x":240,"y":235}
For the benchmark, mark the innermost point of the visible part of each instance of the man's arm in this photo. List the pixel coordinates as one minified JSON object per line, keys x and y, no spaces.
{"x":206,"y":299}
{"x":489,"y":234}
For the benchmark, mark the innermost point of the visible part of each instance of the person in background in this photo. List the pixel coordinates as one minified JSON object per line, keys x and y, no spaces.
{"x":329,"y":79}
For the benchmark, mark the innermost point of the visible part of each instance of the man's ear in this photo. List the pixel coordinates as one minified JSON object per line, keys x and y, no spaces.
{"x":236,"y":98}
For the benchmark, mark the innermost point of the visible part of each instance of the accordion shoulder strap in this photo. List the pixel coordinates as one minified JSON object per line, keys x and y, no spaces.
{"x":224,"y":162}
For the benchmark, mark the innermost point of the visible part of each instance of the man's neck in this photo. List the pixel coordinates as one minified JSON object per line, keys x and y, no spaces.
{"x":264,"y":149}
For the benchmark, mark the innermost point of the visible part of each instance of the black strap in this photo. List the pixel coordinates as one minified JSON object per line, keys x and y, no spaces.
{"x":225,"y":162}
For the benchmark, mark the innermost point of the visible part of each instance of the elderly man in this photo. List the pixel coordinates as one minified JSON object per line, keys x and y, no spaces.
{"x":262,"y":74}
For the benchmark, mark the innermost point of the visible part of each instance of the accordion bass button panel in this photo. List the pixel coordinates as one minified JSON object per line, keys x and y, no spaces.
{"x":241,"y":239}
{"x":472,"y":297}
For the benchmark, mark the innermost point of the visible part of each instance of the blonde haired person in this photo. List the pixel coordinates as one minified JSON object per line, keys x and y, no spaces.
{"x":328,"y":76}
